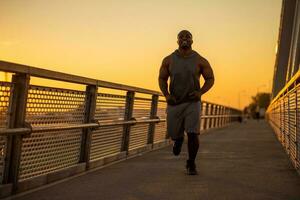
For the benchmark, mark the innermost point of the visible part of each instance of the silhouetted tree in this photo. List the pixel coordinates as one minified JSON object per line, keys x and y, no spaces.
{"x":262,"y":100}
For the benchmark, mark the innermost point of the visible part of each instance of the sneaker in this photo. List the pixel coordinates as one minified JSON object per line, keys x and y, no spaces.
{"x":191,"y":168}
{"x":177,"y":146}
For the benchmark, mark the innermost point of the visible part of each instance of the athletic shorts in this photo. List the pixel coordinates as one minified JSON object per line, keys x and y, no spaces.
{"x":183,"y":117}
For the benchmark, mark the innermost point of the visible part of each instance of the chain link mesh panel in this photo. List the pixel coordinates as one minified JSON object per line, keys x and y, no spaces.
{"x":292,"y":125}
{"x":284,"y":117}
{"x":141,"y":107}
{"x":275,"y":119}
{"x":5,"y":88}
{"x":286,"y":125}
{"x":162,"y":109}
{"x":160,"y":132}
{"x":53,"y":106}
{"x":107,"y":140}
{"x":110,"y":107}
{"x":5,"y":91}
{"x":161,"y":128}
{"x":49,"y":151}
{"x":138,"y":135}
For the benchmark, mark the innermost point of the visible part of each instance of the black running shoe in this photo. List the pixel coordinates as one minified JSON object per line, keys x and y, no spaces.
{"x":177,"y":146}
{"x":191,"y":168}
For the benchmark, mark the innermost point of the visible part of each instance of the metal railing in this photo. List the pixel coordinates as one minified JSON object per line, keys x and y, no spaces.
{"x":284,"y":117}
{"x":44,"y":130}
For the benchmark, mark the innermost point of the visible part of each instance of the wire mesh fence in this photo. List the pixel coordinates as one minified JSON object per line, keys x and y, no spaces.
{"x":283,"y":116}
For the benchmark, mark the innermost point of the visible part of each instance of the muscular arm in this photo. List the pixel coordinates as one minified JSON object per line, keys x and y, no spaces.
{"x":163,"y":77}
{"x":207,"y":74}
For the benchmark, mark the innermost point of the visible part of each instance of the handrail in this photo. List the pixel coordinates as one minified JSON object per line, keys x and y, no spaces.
{"x":28,"y":131}
{"x":49,"y":74}
{"x":286,"y":87}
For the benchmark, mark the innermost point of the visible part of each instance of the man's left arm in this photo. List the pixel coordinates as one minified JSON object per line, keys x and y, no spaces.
{"x":208,"y":75}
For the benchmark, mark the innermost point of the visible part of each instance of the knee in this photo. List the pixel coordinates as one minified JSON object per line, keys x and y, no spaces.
{"x":193,"y":137}
{"x":192,"y":134}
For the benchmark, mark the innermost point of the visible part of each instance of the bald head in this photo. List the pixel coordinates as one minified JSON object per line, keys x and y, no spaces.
{"x":183,"y":32}
{"x":185,"y":39}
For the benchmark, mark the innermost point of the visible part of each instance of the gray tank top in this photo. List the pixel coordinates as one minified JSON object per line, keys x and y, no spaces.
{"x":184,"y":76}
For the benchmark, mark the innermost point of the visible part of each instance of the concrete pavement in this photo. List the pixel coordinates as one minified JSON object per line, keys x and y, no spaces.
{"x":241,"y":161}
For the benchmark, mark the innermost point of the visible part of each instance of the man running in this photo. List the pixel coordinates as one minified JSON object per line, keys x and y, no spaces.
{"x":184,"y":67}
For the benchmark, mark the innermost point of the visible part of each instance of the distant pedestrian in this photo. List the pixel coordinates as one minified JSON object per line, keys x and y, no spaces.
{"x":184,"y":67}
{"x":257,"y":115}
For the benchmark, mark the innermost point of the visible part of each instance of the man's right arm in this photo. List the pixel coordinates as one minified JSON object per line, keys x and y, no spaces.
{"x":163,"y":76}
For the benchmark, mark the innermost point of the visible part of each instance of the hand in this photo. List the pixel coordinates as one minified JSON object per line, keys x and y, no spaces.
{"x":170,"y":99}
{"x":195,"y":95}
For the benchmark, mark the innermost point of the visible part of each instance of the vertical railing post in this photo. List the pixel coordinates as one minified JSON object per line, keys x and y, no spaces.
{"x":202,"y":120}
{"x":223,"y":117}
{"x":214,"y":114}
{"x":17,"y":114}
{"x":211,"y":113}
{"x":127,"y":116}
{"x":208,"y":115}
{"x":217,"y":116}
{"x":90,"y":107}
{"x":153,"y":113}
{"x":206,"y":119}
{"x":227,"y":116}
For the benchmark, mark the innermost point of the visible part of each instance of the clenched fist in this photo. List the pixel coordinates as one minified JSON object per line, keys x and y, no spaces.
{"x":195,"y":95}
{"x":171,"y":99}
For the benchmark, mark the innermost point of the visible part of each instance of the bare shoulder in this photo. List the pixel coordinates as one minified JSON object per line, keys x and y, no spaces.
{"x":201,"y":60}
{"x":164,"y":72}
{"x":166,"y":61}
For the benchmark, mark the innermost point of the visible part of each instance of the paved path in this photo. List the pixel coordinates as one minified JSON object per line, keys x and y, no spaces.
{"x":242,"y":161}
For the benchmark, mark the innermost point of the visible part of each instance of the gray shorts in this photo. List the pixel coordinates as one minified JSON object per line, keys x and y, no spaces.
{"x":183,"y":117}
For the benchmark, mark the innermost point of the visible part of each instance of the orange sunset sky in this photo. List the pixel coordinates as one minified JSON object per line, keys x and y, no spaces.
{"x":125,"y":41}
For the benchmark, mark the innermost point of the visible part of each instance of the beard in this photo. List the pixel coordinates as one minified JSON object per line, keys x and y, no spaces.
{"x":185,"y":46}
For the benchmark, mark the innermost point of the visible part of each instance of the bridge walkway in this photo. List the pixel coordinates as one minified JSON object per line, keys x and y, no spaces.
{"x":241,"y":161}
